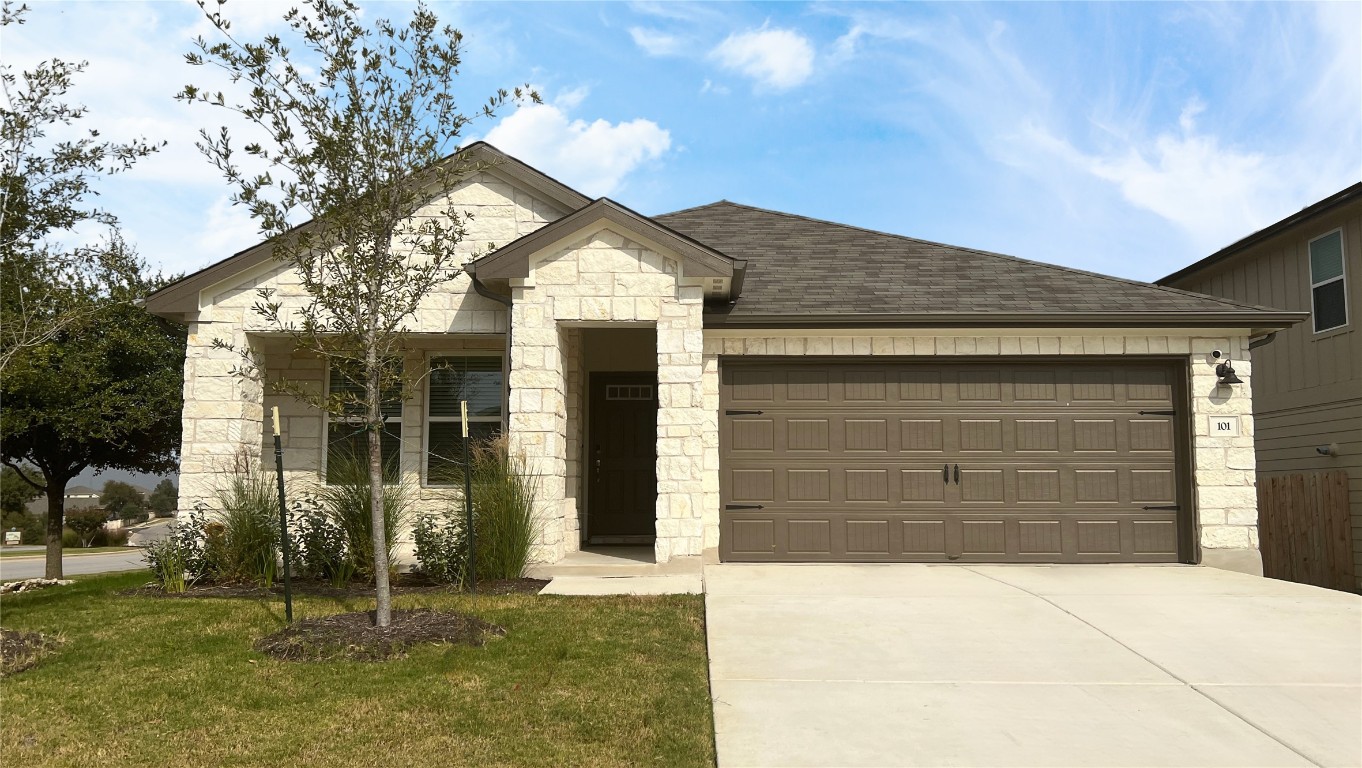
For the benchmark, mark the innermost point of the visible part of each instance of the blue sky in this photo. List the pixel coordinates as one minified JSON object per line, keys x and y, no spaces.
{"x":1130,"y":139}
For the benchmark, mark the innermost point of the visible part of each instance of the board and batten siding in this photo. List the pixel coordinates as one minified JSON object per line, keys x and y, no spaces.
{"x":1307,"y":386}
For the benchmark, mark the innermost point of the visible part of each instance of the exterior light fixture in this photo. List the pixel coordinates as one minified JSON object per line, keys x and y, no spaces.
{"x":1224,"y":374}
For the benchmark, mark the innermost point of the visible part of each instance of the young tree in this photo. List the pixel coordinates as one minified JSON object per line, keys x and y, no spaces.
{"x":46,"y":186}
{"x":358,"y":124}
{"x":104,"y":393}
{"x":164,"y":499}
{"x":121,"y":500}
{"x":86,"y":523}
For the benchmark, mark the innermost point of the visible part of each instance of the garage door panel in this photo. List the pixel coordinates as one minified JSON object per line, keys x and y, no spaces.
{"x":1150,"y":385}
{"x":887,"y":460}
{"x":842,"y":536}
{"x":1023,"y":485}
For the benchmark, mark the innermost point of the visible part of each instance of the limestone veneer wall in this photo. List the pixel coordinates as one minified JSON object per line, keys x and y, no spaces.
{"x":607,"y":280}
{"x":1224,"y":479}
{"x":224,"y":413}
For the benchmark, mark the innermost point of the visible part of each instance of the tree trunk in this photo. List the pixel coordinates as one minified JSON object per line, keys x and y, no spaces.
{"x":384,"y":612}
{"x":56,"y":518}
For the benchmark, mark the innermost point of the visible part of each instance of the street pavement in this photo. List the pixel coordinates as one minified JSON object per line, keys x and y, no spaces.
{"x":15,"y":568}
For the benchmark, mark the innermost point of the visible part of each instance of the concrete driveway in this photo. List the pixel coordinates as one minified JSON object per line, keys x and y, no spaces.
{"x":888,"y":665}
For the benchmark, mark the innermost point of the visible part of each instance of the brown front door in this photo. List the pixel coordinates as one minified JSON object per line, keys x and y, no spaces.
{"x":621,"y":457}
{"x":1058,"y":462}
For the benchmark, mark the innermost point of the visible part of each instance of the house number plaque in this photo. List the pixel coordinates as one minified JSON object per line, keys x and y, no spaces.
{"x":1224,"y":426}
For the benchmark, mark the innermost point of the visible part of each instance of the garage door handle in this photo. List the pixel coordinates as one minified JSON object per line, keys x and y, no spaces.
{"x":957,"y":474}
{"x":946,"y":474}
{"x":742,"y":413}
{"x":1172,"y":507}
{"x":743,"y":506}
{"x":1158,"y":413}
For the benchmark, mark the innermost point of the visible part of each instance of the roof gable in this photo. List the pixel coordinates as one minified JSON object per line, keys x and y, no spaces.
{"x":513,"y":260}
{"x":180,"y":299}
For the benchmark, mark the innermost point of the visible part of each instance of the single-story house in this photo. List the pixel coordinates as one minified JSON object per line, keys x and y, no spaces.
{"x":762,"y":386}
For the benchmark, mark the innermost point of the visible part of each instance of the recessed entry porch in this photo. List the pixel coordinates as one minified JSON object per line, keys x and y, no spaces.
{"x":616,"y":440}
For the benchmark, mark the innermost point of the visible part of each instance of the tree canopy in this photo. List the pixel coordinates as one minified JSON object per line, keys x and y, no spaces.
{"x":49,"y":277}
{"x":164,"y":499}
{"x":122,"y":500}
{"x":354,"y":129}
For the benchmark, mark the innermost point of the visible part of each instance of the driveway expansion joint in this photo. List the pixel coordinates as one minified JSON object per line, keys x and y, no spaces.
{"x":1161,"y":667}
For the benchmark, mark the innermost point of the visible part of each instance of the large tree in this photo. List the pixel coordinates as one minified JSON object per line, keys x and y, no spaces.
{"x":163,"y":499}
{"x":105,"y":392}
{"x":353,"y":129}
{"x":50,"y":277}
{"x":122,"y":500}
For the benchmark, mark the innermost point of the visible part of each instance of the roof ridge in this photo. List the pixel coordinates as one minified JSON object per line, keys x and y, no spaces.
{"x":991,"y":254}
{"x":697,"y":207}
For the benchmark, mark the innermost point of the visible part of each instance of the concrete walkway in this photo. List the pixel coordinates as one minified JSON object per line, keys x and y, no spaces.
{"x":620,"y":570}
{"x":899,"y":665}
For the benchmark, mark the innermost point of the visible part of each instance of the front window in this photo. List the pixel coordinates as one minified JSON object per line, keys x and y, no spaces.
{"x":475,"y":378}
{"x":1328,"y":294}
{"x":347,"y":446}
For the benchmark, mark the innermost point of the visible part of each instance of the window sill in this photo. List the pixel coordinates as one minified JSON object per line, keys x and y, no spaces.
{"x":1331,"y":333}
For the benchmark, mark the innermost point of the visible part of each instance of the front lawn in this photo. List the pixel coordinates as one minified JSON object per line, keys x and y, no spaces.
{"x":593,"y":681}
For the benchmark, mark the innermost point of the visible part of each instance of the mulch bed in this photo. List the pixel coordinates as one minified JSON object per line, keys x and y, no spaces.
{"x":405,"y":584}
{"x":22,"y":650}
{"x":354,"y":636}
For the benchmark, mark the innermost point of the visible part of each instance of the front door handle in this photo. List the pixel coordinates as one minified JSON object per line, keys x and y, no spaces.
{"x":957,"y":474}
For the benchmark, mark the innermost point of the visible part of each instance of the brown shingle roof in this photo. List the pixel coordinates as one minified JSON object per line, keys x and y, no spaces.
{"x":802,"y":267}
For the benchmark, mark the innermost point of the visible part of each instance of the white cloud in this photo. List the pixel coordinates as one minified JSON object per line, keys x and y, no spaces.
{"x":778,"y":59}
{"x":227,"y":229}
{"x":655,"y":43}
{"x":593,"y":157}
{"x":709,"y":86}
{"x":1213,"y":192}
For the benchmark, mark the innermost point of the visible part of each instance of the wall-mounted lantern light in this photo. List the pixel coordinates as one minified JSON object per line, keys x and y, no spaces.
{"x":1224,"y":374}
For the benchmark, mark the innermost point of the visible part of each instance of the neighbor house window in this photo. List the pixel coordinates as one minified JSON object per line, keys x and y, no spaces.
{"x":1328,"y":296}
{"x":475,"y":378}
{"x":347,"y":442}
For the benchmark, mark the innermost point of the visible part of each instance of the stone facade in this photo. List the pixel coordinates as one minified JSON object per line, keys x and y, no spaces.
{"x":1224,"y":479}
{"x":604,"y":280}
{"x":224,"y":414}
{"x":608,"y":280}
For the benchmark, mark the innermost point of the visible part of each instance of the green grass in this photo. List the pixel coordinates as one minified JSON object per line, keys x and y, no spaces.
{"x":66,"y":552}
{"x":591,"y":681}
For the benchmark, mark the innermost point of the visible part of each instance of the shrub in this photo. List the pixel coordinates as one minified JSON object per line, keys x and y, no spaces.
{"x":106,"y":537}
{"x":441,"y":547}
{"x":245,"y":545}
{"x":322,"y":549}
{"x":503,"y":505}
{"x":169,"y":563}
{"x":345,"y":503}
{"x":503,"y":518}
{"x":178,"y":559}
{"x":85,"y":523}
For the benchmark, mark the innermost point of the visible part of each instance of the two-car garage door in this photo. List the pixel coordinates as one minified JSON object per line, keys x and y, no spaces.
{"x":897,"y":461}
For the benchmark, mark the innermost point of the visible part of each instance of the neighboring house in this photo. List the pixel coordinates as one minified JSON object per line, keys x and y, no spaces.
{"x":1307,"y":384}
{"x":764,"y":387}
{"x":77,"y":497}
